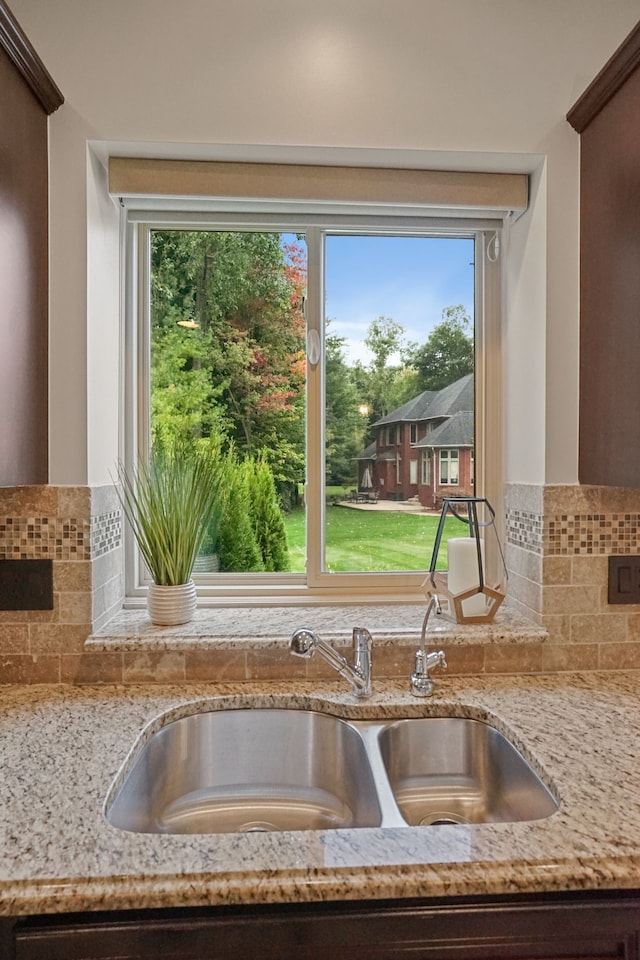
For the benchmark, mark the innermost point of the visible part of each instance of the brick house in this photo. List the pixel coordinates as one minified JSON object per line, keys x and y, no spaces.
{"x":424,"y":448}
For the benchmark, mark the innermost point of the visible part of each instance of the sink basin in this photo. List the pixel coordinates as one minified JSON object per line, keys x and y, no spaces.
{"x":255,"y":770}
{"x":456,"y":770}
{"x":248,"y":770}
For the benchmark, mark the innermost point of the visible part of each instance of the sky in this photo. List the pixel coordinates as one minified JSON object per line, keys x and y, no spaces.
{"x":409,"y":279}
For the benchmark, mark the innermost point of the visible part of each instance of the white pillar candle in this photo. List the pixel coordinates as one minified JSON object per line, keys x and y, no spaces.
{"x":464,"y":573}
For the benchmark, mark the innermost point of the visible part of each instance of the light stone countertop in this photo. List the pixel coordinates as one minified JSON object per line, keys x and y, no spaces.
{"x":61,"y":748}
{"x":271,"y":625}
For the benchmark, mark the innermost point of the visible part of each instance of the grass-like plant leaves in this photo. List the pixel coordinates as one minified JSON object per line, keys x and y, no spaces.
{"x":170,"y":502}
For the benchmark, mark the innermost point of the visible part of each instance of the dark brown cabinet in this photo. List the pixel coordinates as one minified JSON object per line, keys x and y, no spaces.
{"x":566,"y":927}
{"x":29,"y":95}
{"x":607,"y":117}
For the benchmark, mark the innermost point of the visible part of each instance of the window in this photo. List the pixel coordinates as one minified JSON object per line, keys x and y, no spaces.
{"x":300,"y":377}
{"x":425,"y":460}
{"x":449,"y":474}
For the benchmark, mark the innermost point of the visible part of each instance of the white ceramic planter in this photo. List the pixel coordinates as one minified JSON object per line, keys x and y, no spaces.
{"x":168,"y":606}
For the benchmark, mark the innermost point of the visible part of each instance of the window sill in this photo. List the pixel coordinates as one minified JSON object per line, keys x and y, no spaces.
{"x":262,"y":628}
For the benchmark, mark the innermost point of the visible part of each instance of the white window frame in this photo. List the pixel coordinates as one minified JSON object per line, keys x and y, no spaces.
{"x":447,"y":456}
{"x":139,"y":219}
{"x":425,"y":460}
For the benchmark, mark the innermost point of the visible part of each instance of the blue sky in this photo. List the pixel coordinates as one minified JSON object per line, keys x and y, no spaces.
{"x":410,"y":279}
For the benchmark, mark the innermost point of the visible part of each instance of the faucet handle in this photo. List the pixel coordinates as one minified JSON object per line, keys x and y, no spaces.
{"x":362,"y":638}
{"x":421,"y":682}
{"x":362,"y":648}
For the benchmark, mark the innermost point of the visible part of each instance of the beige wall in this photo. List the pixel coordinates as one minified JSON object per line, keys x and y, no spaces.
{"x":472,"y":84}
{"x":405,"y":82}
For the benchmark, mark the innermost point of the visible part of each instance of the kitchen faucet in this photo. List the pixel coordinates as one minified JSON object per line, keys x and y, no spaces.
{"x":421,"y":682}
{"x":305,"y":642}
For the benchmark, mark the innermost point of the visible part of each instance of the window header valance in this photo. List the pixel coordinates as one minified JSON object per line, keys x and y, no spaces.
{"x":469,"y":191}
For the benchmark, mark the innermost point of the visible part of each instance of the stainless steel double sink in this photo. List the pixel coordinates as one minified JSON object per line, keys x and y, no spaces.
{"x":246,"y":770}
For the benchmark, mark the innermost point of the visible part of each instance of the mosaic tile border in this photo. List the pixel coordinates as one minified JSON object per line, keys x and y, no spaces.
{"x":566,"y":535}
{"x":524,"y":530}
{"x":106,"y":533}
{"x":58,"y":538}
{"x":593,"y":533}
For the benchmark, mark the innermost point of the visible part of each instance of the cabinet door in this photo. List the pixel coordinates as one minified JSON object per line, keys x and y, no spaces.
{"x":498,"y":930}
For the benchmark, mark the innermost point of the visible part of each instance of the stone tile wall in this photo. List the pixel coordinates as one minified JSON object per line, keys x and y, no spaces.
{"x":80,"y":530}
{"x":559,"y":539}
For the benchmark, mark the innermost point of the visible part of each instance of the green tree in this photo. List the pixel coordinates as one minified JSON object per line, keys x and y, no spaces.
{"x":344,"y":424}
{"x":266,"y":516}
{"x":448,"y":352}
{"x":388,"y":380}
{"x":228,"y":341}
{"x":236,"y":543}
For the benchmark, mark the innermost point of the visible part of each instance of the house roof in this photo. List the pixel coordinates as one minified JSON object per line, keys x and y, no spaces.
{"x":453,"y":405}
{"x":456,"y":431}
{"x":369,"y":453}
{"x":412,"y":410}
{"x":433,"y":404}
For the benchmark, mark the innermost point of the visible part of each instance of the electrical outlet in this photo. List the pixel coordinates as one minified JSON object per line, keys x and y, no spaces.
{"x":624,"y":580}
{"x":26,"y":585}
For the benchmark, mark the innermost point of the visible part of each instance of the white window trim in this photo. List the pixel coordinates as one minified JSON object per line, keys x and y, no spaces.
{"x":316,"y":586}
{"x":425,"y":468}
{"x":445,"y":456}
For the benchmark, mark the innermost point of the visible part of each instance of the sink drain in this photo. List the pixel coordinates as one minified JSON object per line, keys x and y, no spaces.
{"x":441,"y":819}
{"x":257,"y":826}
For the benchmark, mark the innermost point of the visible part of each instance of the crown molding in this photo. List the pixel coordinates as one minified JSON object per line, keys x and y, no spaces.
{"x":14,"y":41}
{"x":607,"y":83}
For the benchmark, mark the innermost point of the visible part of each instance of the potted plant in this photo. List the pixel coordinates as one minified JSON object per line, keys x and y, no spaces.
{"x":170,"y":503}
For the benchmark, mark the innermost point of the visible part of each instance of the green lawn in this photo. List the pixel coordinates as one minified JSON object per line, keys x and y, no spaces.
{"x":358,"y":540}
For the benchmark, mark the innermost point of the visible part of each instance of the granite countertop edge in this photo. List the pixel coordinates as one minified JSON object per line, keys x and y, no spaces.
{"x":227,"y":628}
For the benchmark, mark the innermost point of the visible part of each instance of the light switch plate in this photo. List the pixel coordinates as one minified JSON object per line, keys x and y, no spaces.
{"x":624,"y":580}
{"x":26,"y":585}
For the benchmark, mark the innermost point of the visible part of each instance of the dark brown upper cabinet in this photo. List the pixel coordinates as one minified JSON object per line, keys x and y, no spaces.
{"x":29,"y":95}
{"x":607,"y":117}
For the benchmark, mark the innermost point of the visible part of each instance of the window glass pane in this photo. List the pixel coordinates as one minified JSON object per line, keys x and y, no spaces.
{"x":399,"y":335}
{"x":444,"y":467}
{"x":454,"y":461}
{"x":426,"y":468}
{"x":227,"y":361}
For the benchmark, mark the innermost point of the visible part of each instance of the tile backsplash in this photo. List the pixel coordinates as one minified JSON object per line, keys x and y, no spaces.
{"x":559,"y":539}
{"x":80,"y":530}
{"x":557,"y":543}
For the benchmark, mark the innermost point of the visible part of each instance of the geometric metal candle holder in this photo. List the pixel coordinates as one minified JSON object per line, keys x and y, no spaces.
{"x":436,"y":586}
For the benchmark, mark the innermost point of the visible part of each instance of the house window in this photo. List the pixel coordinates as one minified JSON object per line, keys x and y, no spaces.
{"x":413,"y":433}
{"x":449,"y":472}
{"x":240,"y":324}
{"x":425,"y":461}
